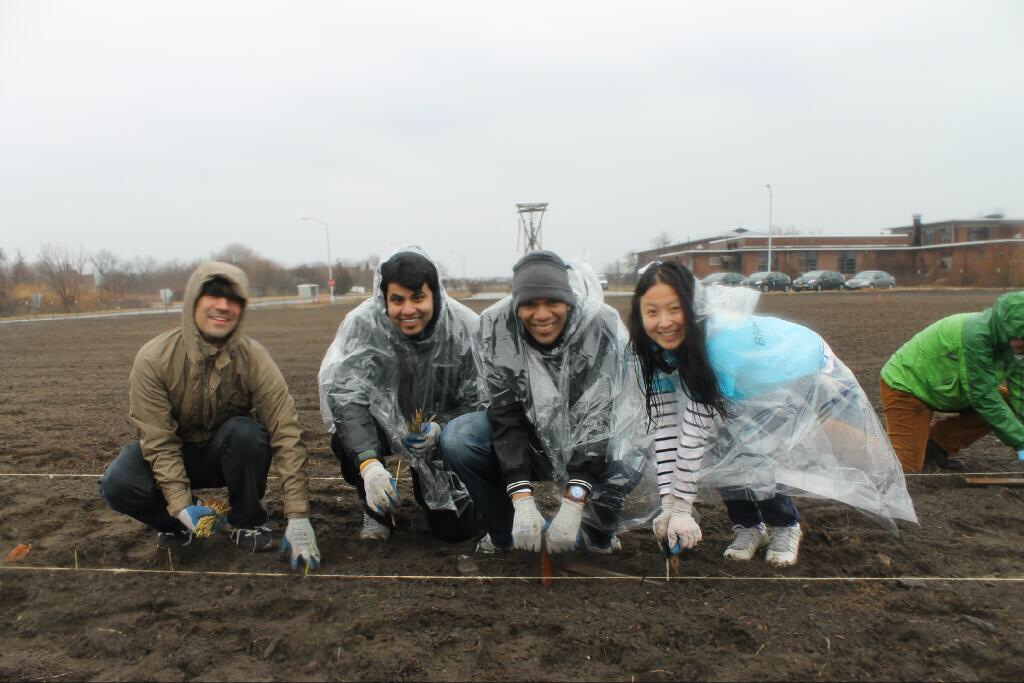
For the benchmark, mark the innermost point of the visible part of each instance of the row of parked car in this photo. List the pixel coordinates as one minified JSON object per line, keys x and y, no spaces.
{"x":817,"y":280}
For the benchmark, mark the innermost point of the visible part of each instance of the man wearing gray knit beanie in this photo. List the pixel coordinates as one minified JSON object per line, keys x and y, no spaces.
{"x":551,"y":358}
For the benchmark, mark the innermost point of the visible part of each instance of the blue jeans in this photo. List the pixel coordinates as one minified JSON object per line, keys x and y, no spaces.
{"x":467,"y":448}
{"x":238,"y":457}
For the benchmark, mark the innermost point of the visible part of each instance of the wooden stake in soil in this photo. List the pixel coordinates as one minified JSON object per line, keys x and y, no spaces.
{"x":994,"y":481}
{"x":76,"y":558}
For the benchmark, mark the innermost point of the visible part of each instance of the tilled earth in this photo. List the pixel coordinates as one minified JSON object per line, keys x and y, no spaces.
{"x":936,"y":603}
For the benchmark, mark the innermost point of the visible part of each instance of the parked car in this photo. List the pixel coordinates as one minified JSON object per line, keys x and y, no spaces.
{"x":727,"y":279}
{"x":871,"y":279}
{"x":603,"y":279}
{"x":769,"y":281}
{"x":819,"y":280}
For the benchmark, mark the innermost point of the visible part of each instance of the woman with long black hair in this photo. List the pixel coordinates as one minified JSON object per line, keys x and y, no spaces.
{"x":751,"y":409}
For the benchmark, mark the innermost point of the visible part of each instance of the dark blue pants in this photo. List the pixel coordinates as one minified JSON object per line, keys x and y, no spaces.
{"x":744,"y":510}
{"x":238,"y":457}
{"x":447,"y":525}
{"x":467,"y":446}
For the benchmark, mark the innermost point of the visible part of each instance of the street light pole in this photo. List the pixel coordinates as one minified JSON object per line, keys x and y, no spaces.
{"x":330,"y":272}
{"x":769,"y":226}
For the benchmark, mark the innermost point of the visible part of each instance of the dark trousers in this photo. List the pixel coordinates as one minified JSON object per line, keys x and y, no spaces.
{"x":447,"y":525}
{"x":468,"y":448}
{"x":238,"y":457}
{"x":744,"y":510}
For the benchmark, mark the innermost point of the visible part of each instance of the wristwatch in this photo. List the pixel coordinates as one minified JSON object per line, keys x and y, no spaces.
{"x":576,"y":493}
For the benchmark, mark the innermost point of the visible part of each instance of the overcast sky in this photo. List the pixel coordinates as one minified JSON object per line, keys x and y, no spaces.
{"x":172,"y":129}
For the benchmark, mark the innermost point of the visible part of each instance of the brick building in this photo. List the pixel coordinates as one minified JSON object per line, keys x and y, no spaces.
{"x":985,"y":252}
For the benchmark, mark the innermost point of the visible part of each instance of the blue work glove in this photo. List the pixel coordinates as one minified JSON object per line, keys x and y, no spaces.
{"x":299,"y":542}
{"x":191,"y":516}
{"x":381,"y":491}
{"x":1020,"y":455}
{"x":422,"y":443}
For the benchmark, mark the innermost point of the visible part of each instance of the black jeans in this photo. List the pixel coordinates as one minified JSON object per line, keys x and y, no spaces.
{"x":746,"y":511}
{"x":447,"y":525}
{"x":238,"y":457}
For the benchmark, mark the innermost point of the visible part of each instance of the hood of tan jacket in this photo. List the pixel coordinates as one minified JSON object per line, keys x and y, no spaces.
{"x":196,"y":346}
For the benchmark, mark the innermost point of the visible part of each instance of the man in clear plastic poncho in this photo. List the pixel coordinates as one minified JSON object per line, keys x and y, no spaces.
{"x":400,"y":368}
{"x":960,"y":365}
{"x":562,"y":407}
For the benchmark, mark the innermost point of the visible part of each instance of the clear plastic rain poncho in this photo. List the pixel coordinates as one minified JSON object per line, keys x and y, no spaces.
{"x":800,"y":424}
{"x":372,"y":364}
{"x":580,"y":396}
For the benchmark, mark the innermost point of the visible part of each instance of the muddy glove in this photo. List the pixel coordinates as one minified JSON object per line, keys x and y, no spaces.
{"x":191,"y":515}
{"x":660,"y":524}
{"x":299,"y":542}
{"x":683,"y":531}
{"x":565,"y":527}
{"x":527,"y":524}
{"x":381,"y":494}
{"x":422,"y":443}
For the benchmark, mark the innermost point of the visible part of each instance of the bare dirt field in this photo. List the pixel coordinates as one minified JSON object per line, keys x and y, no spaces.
{"x":861,"y":604}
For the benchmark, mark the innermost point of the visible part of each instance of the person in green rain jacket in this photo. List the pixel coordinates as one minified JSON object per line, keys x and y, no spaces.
{"x":971,"y":364}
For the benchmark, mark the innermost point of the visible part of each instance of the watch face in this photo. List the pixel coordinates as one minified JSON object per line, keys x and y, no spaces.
{"x":576,"y":491}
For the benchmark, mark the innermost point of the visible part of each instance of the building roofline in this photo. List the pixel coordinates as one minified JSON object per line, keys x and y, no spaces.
{"x":848,"y":247}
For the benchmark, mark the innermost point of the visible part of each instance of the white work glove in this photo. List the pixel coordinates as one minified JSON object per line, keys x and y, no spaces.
{"x":299,"y":542}
{"x":660,"y":524}
{"x":527,"y":524}
{"x":423,"y":442}
{"x":381,"y":494}
{"x":565,"y":527}
{"x":683,"y":531}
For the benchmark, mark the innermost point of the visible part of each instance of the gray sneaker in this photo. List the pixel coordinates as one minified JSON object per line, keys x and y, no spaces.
{"x":784,"y":545}
{"x":749,"y":540}
{"x":373,"y":530}
{"x":485,"y":546}
{"x":254,"y":540}
{"x":614,"y":545}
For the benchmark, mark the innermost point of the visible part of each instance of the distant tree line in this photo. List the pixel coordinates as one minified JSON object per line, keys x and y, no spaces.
{"x":68,"y":279}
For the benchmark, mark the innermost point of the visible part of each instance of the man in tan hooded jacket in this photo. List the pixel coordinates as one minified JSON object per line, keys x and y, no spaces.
{"x":212,"y":409}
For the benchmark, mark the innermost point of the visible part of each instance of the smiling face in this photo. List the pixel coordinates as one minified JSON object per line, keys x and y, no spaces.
{"x":544,"y":319}
{"x":409,"y":310}
{"x":663,"y":316}
{"x":217,"y":317}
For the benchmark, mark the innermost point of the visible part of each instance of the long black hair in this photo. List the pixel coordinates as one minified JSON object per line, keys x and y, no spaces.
{"x":695,"y":372}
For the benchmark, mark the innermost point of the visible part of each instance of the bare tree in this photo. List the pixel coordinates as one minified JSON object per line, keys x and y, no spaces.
{"x":62,"y":268}
{"x":661,"y":240}
{"x":113,"y":275}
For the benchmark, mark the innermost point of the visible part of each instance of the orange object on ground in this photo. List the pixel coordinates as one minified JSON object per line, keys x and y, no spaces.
{"x":545,"y":568}
{"x":20,"y":551}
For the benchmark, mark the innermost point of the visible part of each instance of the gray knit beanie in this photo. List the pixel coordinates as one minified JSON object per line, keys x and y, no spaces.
{"x":541,"y":275}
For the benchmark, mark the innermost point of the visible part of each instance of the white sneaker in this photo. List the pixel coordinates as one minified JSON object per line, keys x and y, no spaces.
{"x":749,"y":539}
{"x":373,"y":530}
{"x":784,"y":545}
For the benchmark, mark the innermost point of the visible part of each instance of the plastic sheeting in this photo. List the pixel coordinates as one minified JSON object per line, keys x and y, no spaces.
{"x":799,"y":422}
{"x":371,"y":363}
{"x":581,"y":394}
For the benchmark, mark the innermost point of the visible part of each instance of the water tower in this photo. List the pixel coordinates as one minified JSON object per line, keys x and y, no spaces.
{"x":530,"y":218}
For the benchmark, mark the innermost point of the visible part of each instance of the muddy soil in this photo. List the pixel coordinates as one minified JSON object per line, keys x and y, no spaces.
{"x":844,"y":613}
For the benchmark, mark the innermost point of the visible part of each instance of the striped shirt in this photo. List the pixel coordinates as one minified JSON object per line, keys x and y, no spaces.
{"x":682,"y":431}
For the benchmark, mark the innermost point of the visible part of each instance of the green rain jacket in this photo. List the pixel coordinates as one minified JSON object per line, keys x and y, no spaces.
{"x":959,"y":362}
